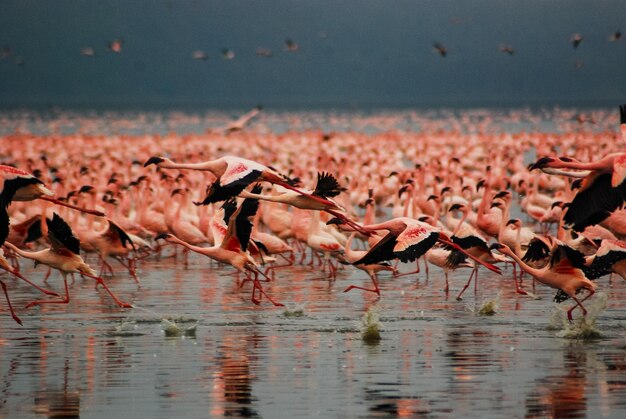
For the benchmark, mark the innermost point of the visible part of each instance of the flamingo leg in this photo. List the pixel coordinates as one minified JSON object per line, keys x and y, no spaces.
{"x":6,"y":294}
{"x":44,"y":290}
{"x":469,"y":281}
{"x":579,"y":303}
{"x":101,"y":282}
{"x":257,"y":286}
{"x":374,"y":290}
{"x":130,"y":268}
{"x":416,"y":271}
{"x":66,"y":300}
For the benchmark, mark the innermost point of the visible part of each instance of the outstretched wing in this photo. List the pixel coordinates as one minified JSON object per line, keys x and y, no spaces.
{"x":243,"y":224}
{"x":380,"y":252}
{"x":229,"y":207}
{"x":595,"y":202}
{"x":327,"y":186}
{"x":12,"y":185}
{"x":60,"y":235}
{"x":414,"y":241}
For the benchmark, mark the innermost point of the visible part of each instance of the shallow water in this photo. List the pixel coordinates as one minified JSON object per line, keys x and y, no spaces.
{"x":436,"y":357}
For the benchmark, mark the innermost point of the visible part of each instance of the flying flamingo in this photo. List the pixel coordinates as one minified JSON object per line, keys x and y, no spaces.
{"x":603,"y":190}
{"x":560,"y":273}
{"x":19,"y":185}
{"x":64,"y":255}
{"x":232,"y":250}
{"x":234,"y":174}
{"x":320,"y":199}
{"x":407,"y":240}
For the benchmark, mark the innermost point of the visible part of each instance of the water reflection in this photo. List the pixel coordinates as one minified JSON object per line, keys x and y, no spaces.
{"x":561,"y":395}
{"x":232,"y":382}
{"x":63,"y":403}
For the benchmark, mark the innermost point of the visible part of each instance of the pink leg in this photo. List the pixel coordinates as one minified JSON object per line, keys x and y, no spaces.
{"x":6,"y":294}
{"x":44,"y":290}
{"x":474,"y":271}
{"x":374,"y":290}
{"x":66,"y":300}
{"x":101,"y":282}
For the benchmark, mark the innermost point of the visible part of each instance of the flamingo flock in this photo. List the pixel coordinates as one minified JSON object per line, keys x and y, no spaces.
{"x":255,"y":201}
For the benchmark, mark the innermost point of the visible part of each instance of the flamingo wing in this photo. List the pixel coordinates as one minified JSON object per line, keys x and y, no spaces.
{"x":60,"y":235}
{"x":381,"y":251}
{"x":595,"y":202}
{"x":538,"y":249}
{"x":609,"y":254}
{"x":414,"y":241}
{"x":11,"y":185}
{"x":243,"y":224}
{"x":4,"y":225}
{"x":327,"y":186}
{"x":116,"y":232}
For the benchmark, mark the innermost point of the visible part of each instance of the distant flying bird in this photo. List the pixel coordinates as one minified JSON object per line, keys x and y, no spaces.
{"x":264,"y":52}
{"x":576,"y":40}
{"x":243,"y":120}
{"x":507,"y":49}
{"x":579,"y":64}
{"x":116,"y":45}
{"x":441,"y":50}
{"x":88,"y":52}
{"x":228,"y":54}
{"x":615,"y":36}
{"x":291,"y":46}
{"x":199,"y":55}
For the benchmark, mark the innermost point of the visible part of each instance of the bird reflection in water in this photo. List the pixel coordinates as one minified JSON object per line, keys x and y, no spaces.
{"x":232,"y":385}
{"x":561,"y":396}
{"x":59,"y":403}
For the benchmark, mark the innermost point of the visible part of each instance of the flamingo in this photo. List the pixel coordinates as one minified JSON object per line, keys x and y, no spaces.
{"x":560,"y":273}
{"x":234,"y":174}
{"x":407,"y":240}
{"x":20,"y":185}
{"x":320,"y":199}
{"x":63,"y":255}
{"x":4,"y":264}
{"x":232,"y":250}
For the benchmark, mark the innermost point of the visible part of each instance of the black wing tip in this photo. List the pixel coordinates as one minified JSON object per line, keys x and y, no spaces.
{"x":622,"y":114}
{"x":327,"y":185}
{"x":153,"y":160}
{"x":163,"y":236}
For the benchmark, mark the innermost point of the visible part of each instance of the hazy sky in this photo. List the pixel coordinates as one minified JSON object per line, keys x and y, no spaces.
{"x":373,"y":53}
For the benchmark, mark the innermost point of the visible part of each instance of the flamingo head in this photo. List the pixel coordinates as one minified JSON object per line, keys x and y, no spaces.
{"x":541,"y":163}
{"x":498,"y":246}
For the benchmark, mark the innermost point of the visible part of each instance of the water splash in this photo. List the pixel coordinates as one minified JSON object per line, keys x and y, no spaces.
{"x":582,"y":328}
{"x":172,"y":328}
{"x":370,"y":325}
{"x":295,"y":311}
{"x":489,"y":307}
